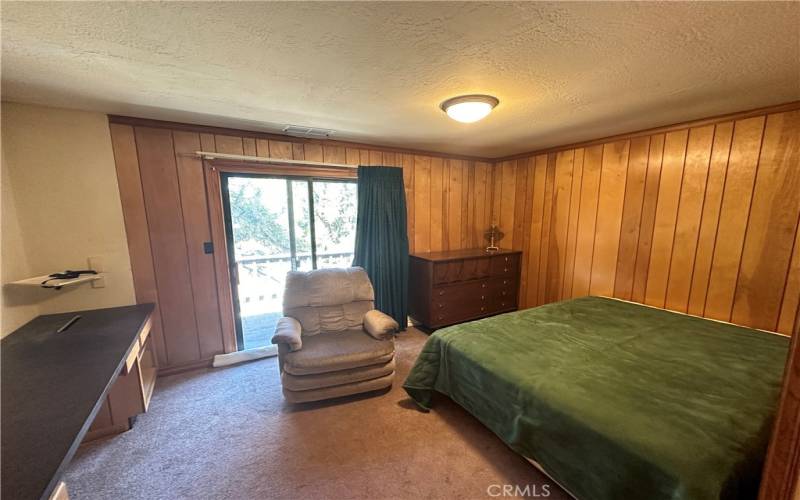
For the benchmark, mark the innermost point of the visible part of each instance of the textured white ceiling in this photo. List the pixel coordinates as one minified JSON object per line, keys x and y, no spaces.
{"x":376,"y":72}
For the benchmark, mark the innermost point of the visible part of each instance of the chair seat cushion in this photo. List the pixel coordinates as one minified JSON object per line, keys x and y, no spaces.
{"x":332,"y":351}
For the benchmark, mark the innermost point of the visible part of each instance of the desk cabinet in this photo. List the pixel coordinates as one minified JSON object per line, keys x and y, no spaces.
{"x":446,"y":288}
{"x":131,"y":392}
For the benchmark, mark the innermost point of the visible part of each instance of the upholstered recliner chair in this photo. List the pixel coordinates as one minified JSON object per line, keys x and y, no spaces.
{"x":331,"y":340}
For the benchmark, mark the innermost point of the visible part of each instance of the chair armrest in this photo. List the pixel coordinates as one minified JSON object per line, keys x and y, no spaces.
{"x":287,"y":331}
{"x":380,"y":325}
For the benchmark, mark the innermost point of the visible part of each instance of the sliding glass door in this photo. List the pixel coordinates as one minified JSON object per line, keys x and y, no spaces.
{"x":277,"y":224}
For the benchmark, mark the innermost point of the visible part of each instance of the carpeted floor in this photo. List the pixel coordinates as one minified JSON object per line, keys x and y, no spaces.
{"x":227,"y":433}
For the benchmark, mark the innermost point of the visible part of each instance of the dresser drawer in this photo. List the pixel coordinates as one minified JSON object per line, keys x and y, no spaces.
{"x":505,"y":265}
{"x":460,"y":270}
{"x":503,"y":293}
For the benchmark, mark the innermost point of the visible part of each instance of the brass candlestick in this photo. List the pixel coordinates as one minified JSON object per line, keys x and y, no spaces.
{"x":493,"y":236}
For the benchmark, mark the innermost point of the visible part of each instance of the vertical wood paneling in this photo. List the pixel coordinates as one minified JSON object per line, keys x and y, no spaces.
{"x":559,"y":223}
{"x":649,"y":205}
{"x":507,"y":201}
{"x":572,"y":230}
{"x":483,"y":202}
{"x":773,"y":223}
{"x":229,"y":144}
{"x":375,"y":158}
{"x":455,"y":198}
{"x":527,"y":215}
{"x":126,"y":159}
{"x":590,"y":189}
{"x":280,"y":149}
{"x":437,"y":203}
{"x":669,"y":193}
{"x":335,"y":154}
{"x":609,"y":220}
{"x":666,"y":219}
{"x":312,"y":152}
{"x":520,"y":190}
{"x":549,"y":186}
{"x":706,"y":241}
{"x":736,"y":197}
{"x":249,"y":146}
{"x":168,"y":242}
{"x":422,"y":204}
{"x":194,"y":206}
{"x":408,"y":185}
{"x":298,"y":151}
{"x":791,"y":293}
{"x":537,"y":218}
{"x":631,"y":217}
{"x":690,"y":209}
{"x":352,"y":156}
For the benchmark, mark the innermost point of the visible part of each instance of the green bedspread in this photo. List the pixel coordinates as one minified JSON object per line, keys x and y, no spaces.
{"x":616,"y":400}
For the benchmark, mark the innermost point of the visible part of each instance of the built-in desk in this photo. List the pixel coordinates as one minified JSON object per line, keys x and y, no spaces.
{"x":53,"y":386}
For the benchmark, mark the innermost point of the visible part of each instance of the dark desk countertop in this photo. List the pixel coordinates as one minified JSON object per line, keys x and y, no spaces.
{"x":53,"y":385}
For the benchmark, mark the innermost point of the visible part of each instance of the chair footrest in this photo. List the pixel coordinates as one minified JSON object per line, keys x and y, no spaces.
{"x":338,"y":390}
{"x":339,"y":377}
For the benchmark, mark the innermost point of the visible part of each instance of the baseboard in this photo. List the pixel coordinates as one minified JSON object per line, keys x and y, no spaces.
{"x":193,"y":365}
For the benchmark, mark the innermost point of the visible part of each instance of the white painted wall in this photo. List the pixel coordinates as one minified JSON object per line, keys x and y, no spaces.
{"x":60,"y":205}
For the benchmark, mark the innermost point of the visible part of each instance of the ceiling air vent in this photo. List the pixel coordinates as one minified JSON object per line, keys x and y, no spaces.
{"x":307,"y":132}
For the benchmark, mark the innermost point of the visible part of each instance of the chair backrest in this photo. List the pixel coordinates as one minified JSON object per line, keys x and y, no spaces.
{"x":328,"y":300}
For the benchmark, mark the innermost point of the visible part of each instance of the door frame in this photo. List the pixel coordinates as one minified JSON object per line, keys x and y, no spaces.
{"x":213,"y":168}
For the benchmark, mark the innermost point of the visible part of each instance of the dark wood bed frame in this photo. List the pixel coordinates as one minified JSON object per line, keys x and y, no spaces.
{"x":782,"y":468}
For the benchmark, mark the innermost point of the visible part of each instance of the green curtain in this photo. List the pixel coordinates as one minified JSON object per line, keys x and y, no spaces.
{"x":382,"y":238}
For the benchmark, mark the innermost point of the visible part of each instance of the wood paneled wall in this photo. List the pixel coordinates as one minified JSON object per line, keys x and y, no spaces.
{"x":701,"y":219}
{"x":165,"y":205}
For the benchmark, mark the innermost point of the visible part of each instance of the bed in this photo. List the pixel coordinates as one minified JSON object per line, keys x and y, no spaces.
{"x":615,"y":400}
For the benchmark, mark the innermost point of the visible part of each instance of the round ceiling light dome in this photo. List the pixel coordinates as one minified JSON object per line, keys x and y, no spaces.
{"x":469,"y":108}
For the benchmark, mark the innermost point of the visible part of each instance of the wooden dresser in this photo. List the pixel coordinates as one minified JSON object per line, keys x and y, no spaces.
{"x":445,"y":288}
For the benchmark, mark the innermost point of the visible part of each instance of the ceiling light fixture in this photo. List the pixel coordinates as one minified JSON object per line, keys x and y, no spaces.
{"x":469,"y":108}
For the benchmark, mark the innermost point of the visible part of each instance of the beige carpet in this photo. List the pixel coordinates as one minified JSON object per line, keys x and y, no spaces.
{"x":227,"y":433}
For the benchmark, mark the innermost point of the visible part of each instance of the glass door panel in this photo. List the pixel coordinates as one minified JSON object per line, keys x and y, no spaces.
{"x":260,"y":243}
{"x":278,"y":224}
{"x":335,"y":209}
{"x":301,"y":212}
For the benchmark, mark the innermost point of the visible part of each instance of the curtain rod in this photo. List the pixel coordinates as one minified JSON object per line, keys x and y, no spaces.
{"x":206,"y":155}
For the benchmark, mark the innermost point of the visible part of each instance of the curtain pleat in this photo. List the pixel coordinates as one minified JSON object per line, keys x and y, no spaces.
{"x":382,"y":238}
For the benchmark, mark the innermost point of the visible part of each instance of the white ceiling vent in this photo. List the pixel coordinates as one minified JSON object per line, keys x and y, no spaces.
{"x":308,"y":132}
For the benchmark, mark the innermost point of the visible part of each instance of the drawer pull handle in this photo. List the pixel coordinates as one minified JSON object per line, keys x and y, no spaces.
{"x":505,"y":269}
{"x":441,"y":306}
{"x":483,"y":297}
{"x":483,"y":309}
{"x":441,"y":292}
{"x":504,"y":292}
{"x":483,"y":285}
{"x":505,"y":282}
{"x":441,"y":317}
{"x":506,"y":259}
